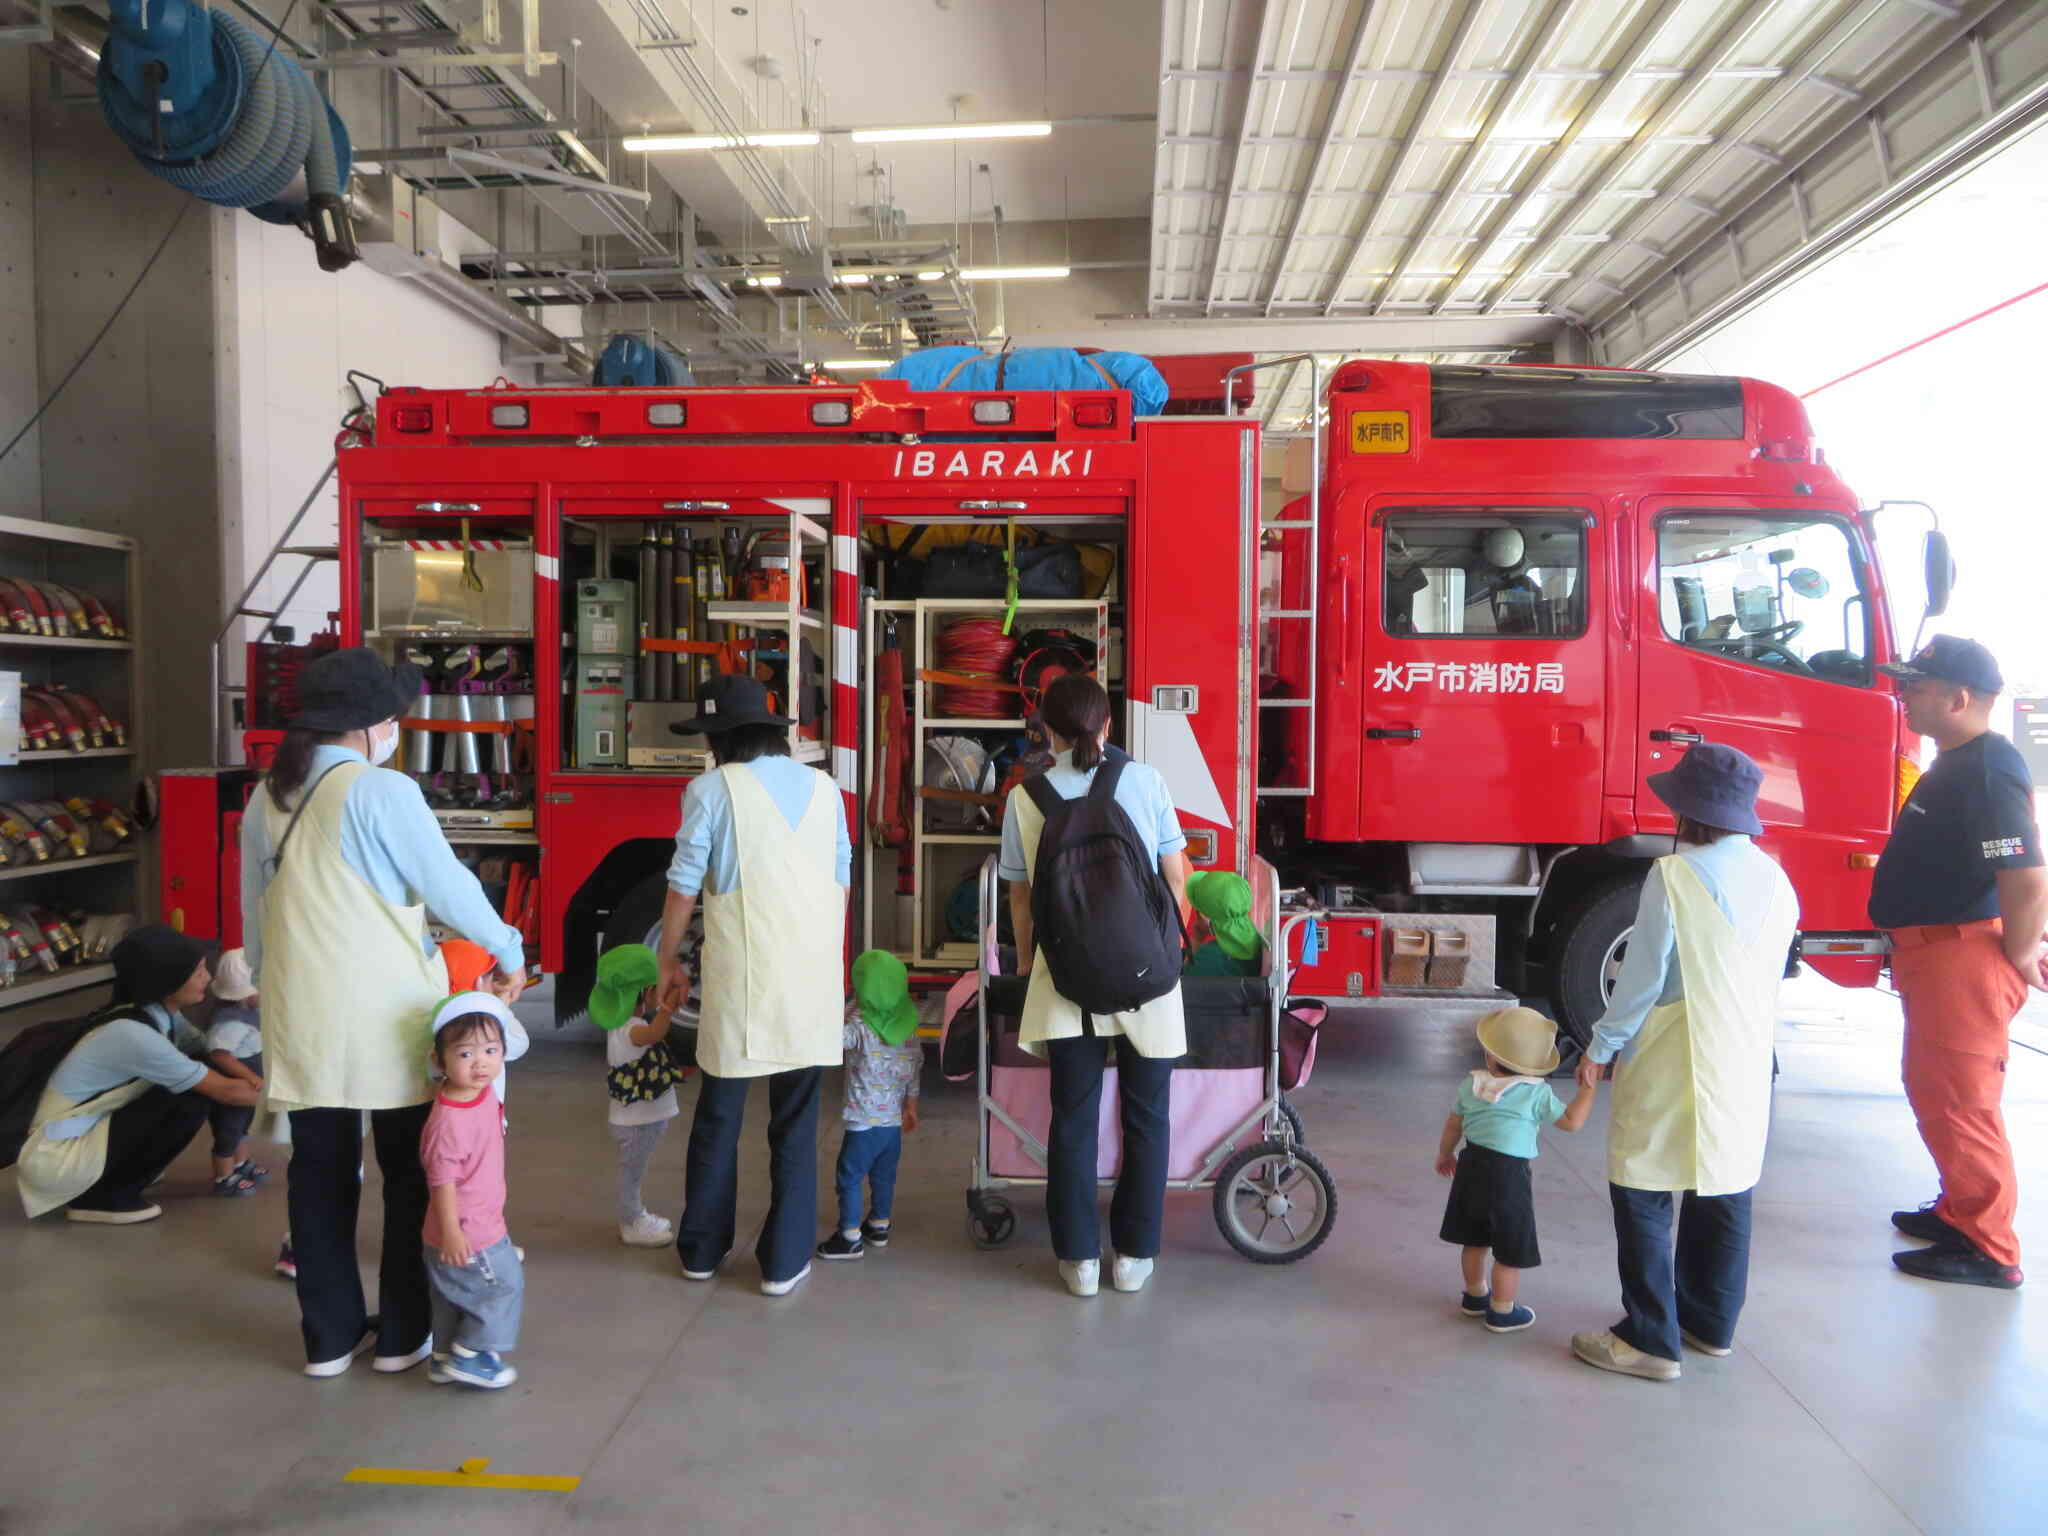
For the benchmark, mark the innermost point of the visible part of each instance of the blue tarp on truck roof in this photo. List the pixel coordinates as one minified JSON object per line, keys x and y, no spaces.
{"x":1032,"y":368}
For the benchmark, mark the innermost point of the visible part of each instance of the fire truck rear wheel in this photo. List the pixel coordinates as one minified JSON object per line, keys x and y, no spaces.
{"x":637,"y":920}
{"x":1590,"y":942}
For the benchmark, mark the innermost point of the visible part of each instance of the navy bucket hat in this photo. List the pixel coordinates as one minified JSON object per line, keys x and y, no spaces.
{"x":1715,"y":786}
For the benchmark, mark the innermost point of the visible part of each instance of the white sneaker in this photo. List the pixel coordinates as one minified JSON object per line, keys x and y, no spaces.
{"x":1694,"y":1341}
{"x":1130,"y":1274}
{"x":784,"y":1287}
{"x":1083,"y":1277}
{"x":391,"y":1365}
{"x":341,"y":1363}
{"x":647,"y":1231}
{"x":1608,"y":1353}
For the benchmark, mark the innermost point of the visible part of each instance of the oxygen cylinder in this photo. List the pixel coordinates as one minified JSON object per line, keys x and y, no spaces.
{"x":683,"y":625}
{"x":664,"y":610}
{"x":649,"y":555}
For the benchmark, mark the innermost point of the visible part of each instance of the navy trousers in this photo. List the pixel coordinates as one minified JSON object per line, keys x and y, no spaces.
{"x":711,"y":1175}
{"x":1144,"y":1089}
{"x":868,"y":1157}
{"x":323,"y":1192}
{"x":1700,"y":1287}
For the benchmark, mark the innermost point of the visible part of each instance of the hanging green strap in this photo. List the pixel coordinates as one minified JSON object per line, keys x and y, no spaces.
{"x":1010,"y":577}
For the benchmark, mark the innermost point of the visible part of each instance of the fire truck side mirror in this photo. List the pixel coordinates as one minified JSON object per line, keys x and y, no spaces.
{"x":1941,"y":573}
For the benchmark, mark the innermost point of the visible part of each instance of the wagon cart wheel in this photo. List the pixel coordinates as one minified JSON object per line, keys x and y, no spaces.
{"x":1293,"y":1117}
{"x":1275,"y":1204}
{"x":990,"y":1220}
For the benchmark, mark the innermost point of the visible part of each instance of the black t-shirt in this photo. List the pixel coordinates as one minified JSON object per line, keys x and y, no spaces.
{"x":1971,"y":816}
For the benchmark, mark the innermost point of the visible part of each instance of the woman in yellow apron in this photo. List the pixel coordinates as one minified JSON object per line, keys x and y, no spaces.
{"x":1693,"y":1017}
{"x":131,"y":1094}
{"x":1148,"y":1039}
{"x":763,"y":842}
{"x":341,"y":862}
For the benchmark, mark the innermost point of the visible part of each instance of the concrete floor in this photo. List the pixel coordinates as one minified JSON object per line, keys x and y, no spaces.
{"x":152,"y":1372}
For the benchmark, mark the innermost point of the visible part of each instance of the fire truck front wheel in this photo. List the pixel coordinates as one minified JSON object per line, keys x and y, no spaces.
{"x":1591,"y":941}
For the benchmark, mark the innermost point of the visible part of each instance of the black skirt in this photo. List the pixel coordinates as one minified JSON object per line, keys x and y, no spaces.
{"x":1493,"y":1206}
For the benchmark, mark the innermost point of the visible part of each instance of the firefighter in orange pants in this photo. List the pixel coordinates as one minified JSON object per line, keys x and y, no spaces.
{"x":1962,"y":889}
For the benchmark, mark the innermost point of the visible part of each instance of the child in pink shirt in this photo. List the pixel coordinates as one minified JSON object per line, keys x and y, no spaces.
{"x":478,"y":1281}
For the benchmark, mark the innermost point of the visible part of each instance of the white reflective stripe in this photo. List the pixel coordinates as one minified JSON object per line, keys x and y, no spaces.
{"x":1170,"y":747}
{"x":845,"y":657}
{"x":547,"y":567}
{"x":846,"y":768}
{"x":845,"y":553}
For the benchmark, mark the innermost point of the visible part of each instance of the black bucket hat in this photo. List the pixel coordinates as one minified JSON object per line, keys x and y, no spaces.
{"x":153,"y":962}
{"x":353,"y":690}
{"x":730,"y":702}
{"x":1715,"y":786}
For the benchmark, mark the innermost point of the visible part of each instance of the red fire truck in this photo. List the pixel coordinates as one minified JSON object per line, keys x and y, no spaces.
{"x":1429,"y":690}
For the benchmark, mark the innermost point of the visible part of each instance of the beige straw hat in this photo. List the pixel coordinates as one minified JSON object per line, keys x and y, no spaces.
{"x":1521,"y":1038}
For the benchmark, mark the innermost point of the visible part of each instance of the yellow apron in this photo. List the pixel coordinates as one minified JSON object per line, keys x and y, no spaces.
{"x":1692,"y":1104}
{"x":1156,"y":1029}
{"x":775,"y":949}
{"x":349,"y":992}
{"x":55,"y":1173}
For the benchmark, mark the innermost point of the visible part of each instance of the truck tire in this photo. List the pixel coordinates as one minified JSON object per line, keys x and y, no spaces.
{"x":1589,"y":943}
{"x":637,"y":920}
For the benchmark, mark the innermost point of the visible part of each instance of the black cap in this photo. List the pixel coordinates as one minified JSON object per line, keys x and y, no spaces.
{"x":1951,"y":659}
{"x":153,"y":962}
{"x":729,"y":702}
{"x":354,"y":689}
{"x":1715,"y":786}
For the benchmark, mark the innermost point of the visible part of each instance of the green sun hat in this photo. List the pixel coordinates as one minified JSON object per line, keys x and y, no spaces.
{"x":622,"y":975}
{"x":1225,"y":900}
{"x":883,"y":991}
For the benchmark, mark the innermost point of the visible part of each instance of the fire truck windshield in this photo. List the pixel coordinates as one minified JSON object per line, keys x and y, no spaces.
{"x":1775,"y":590}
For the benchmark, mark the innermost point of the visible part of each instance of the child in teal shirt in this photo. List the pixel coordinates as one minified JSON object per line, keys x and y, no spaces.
{"x":1499,"y":1112}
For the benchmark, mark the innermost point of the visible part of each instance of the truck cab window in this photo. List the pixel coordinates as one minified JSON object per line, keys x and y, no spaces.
{"x":1775,"y":590}
{"x":1492,"y":574}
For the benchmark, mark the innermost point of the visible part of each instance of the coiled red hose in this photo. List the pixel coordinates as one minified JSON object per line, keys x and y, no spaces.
{"x":976,"y":648}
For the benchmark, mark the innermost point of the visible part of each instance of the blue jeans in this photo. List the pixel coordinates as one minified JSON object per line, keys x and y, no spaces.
{"x":1145,"y":1097}
{"x":477,"y":1305}
{"x":1702,"y":1291}
{"x":712,"y":1173}
{"x":869,"y":1155}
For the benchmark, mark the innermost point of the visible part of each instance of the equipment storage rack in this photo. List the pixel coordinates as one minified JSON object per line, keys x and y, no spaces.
{"x":103,"y":880}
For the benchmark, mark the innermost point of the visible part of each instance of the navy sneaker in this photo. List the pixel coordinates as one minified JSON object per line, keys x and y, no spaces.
{"x":874,"y":1236}
{"x":1928,"y":1227}
{"x":1474,"y":1306}
{"x":1959,"y":1266}
{"x":1514,"y":1320}
{"x":840,"y":1246}
{"x":481,"y":1369}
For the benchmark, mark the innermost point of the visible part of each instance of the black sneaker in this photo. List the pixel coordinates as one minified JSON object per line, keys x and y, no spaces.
{"x":1474,"y":1306}
{"x":1959,"y":1266}
{"x":874,"y":1236}
{"x":1928,"y":1227}
{"x":840,"y":1246}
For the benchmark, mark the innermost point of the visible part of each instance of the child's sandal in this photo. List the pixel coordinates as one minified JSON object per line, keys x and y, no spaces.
{"x":249,"y":1169}
{"x":233,"y":1186}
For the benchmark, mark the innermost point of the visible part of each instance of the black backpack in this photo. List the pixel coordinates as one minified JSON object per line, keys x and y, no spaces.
{"x":25,"y":1067}
{"x":1109,"y":926}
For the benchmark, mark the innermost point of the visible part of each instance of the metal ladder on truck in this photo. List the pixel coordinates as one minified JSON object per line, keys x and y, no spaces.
{"x":1262,"y":614}
{"x":314,"y":556}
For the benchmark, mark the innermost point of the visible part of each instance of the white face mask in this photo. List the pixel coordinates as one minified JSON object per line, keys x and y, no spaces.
{"x":382,"y":747}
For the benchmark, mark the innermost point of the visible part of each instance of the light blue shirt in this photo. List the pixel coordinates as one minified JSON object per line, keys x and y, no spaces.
{"x":1509,"y":1124}
{"x":166,"y":1051}
{"x":1141,"y":792}
{"x":707,"y":849}
{"x":391,"y":839}
{"x":1740,"y":877}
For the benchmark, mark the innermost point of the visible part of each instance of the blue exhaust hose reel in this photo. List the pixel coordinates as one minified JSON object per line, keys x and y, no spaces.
{"x":207,"y":104}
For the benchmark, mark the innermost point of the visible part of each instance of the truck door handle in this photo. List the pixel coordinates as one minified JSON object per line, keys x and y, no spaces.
{"x":1678,"y":736}
{"x":1404,"y":733}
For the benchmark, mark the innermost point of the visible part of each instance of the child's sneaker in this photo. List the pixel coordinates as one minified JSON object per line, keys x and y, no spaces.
{"x":1514,"y":1320}
{"x":875,"y":1236}
{"x":287,"y":1262}
{"x":647,"y":1230}
{"x":840,"y":1246}
{"x":1474,"y":1306}
{"x":437,"y":1370}
{"x":481,"y":1369}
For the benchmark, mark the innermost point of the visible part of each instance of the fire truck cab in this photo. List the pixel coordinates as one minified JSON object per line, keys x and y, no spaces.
{"x":1430,"y":690}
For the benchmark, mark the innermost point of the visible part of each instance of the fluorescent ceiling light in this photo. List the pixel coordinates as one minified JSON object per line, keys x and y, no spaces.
{"x":929,"y":277}
{"x":951,"y":131}
{"x":793,"y":218}
{"x":765,"y":280}
{"x":846,"y":364}
{"x":652,"y":143}
{"x":853,"y":279}
{"x":1004,"y":274}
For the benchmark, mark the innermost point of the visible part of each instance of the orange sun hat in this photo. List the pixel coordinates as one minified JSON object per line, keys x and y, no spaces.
{"x":467,"y":963}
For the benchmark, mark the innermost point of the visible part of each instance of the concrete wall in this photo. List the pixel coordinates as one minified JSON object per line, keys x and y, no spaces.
{"x":21,"y":484}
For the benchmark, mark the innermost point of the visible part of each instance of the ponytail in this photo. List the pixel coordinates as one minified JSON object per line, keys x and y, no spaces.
{"x":1076,"y":709}
{"x":293,"y":764}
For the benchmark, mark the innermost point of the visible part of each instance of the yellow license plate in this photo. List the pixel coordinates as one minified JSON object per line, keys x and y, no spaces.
{"x":1379,"y":432}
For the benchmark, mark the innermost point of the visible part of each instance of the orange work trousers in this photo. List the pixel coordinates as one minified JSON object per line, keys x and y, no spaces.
{"x":1961,"y":994}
